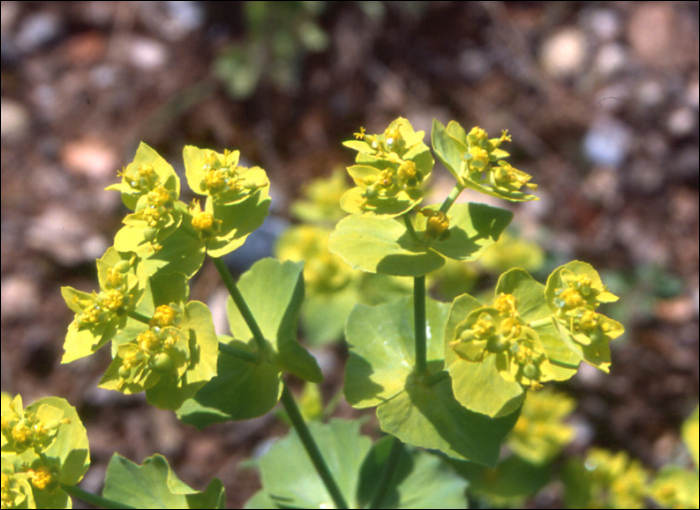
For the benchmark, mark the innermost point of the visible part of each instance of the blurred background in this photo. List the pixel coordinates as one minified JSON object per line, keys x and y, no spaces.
{"x":601,"y":99}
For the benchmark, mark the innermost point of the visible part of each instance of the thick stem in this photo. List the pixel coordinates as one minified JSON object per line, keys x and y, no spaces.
{"x":390,"y":466}
{"x":139,"y":317}
{"x":410,"y":228}
{"x":451,"y":198}
{"x":240,"y":302}
{"x":91,"y":498}
{"x":287,"y":399}
{"x":311,"y":447}
{"x":419,"y":324}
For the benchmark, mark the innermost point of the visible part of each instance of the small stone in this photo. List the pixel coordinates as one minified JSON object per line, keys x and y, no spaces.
{"x":676,"y":311}
{"x":20,"y":298}
{"x":146,"y":53}
{"x":651,"y":31}
{"x":14,"y":120}
{"x":682,"y":122}
{"x":650,"y":93}
{"x":564,"y":54}
{"x":610,"y":59}
{"x":91,"y":158}
{"x":64,"y":236}
{"x":38,"y":30}
{"x":607,"y":142}
{"x":604,"y":24}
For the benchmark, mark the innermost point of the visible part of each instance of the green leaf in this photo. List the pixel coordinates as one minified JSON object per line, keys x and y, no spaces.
{"x":70,"y":447}
{"x":477,"y":385}
{"x":447,"y":149}
{"x":421,"y":480}
{"x":532,"y":306}
{"x":507,"y":486}
{"x":239,"y":220}
{"x":430,"y":417}
{"x":382,"y":352}
{"x":164,"y":174}
{"x":289,"y":478}
{"x":274,"y":292}
{"x":324,"y":315}
{"x":181,"y":252}
{"x":171,"y":392}
{"x":155,"y":485}
{"x":473,"y":228}
{"x":379,"y":373}
{"x":382,"y":246}
{"x":241,"y":390}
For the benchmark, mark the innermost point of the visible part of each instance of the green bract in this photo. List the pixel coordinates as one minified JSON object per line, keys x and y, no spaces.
{"x":476,"y":161}
{"x":574,"y":292}
{"x":146,"y":173}
{"x":242,"y":390}
{"x":100,"y":316}
{"x":397,"y":248}
{"x":43,"y":446}
{"x":155,"y":485}
{"x":390,"y":171}
{"x":421,"y":411}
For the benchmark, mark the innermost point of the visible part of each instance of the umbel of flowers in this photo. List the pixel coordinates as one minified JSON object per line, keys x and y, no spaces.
{"x":161,"y":342}
{"x":527,"y":335}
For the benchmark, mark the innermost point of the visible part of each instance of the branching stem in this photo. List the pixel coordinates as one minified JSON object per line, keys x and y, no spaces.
{"x":287,"y":399}
{"x":240,"y":302}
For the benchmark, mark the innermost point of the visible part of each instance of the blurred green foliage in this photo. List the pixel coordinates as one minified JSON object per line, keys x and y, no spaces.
{"x":278,"y":35}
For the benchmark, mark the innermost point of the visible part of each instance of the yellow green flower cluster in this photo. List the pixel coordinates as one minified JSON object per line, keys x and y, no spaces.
{"x":498,"y":330}
{"x":390,"y":170}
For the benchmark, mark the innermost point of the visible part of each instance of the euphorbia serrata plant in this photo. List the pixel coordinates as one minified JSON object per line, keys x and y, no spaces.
{"x":449,"y":377}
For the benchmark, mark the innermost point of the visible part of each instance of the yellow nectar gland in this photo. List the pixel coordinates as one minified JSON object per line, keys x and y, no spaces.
{"x":164,"y":316}
{"x":113,"y":300}
{"x":476,"y":136}
{"x":148,"y":341}
{"x":361,"y":134}
{"x":215,"y":180}
{"x":570,"y":298}
{"x":41,"y":478}
{"x":479,"y":158}
{"x":203,"y":221}
{"x":505,"y":304}
{"x":438,"y":222}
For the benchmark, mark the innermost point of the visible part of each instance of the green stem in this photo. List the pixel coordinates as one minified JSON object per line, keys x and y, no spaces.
{"x":541,"y":322}
{"x":390,"y":466}
{"x":563,"y":364}
{"x":239,"y":353}
{"x":287,"y":399}
{"x":240,"y":302}
{"x":419,"y":324}
{"x":451,"y":198}
{"x":410,"y":228}
{"x":91,"y":498}
{"x":139,"y":317}
{"x":311,"y":447}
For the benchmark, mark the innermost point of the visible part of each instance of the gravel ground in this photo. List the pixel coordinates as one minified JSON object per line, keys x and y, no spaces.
{"x":601,"y":99}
